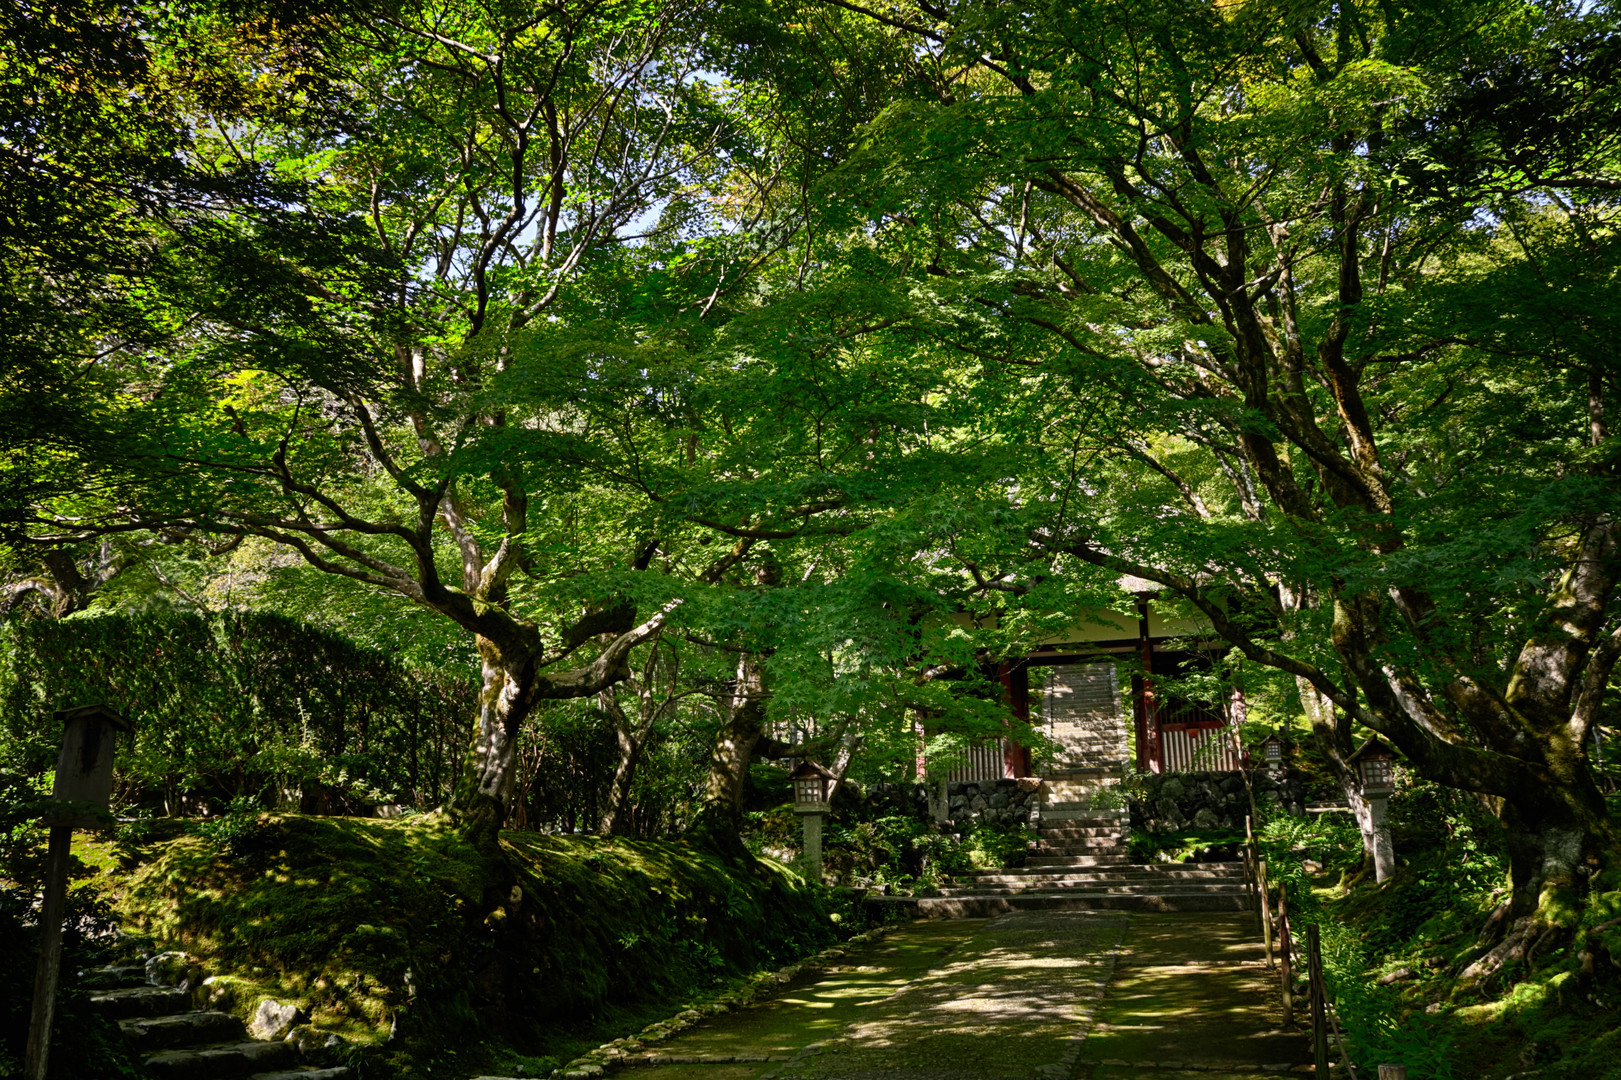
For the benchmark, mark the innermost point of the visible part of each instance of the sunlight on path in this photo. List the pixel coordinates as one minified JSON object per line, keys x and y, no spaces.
{"x":1191,"y":998}
{"x":1012,"y":997}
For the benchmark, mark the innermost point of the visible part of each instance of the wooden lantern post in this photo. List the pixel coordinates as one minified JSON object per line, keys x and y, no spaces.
{"x":84,"y":784}
{"x":1374,"y":762}
{"x":812,"y":784}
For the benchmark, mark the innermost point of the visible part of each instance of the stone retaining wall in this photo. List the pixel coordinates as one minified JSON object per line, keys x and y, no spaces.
{"x":996,"y":801}
{"x":1175,"y":802}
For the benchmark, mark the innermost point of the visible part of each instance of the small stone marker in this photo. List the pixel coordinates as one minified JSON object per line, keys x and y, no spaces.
{"x":1392,"y":1072}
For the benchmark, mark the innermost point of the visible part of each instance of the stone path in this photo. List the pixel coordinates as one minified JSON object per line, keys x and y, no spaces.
{"x":1046,"y":995}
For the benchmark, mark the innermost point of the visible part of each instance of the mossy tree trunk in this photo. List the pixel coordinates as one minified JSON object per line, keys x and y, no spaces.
{"x":513,"y":684}
{"x":721,"y":815}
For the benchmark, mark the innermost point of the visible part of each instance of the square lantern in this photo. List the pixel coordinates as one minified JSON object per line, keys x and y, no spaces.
{"x":84,"y":769}
{"x":1272,"y":752}
{"x":811,"y":786}
{"x":1375,"y":764}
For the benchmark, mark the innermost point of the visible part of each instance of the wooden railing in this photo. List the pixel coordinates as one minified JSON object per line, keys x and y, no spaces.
{"x":1276,"y":926}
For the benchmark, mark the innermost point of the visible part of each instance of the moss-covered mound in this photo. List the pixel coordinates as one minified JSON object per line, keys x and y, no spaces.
{"x":417,"y":948}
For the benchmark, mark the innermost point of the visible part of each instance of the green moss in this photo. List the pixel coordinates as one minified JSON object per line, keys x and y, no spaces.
{"x":409,"y":942}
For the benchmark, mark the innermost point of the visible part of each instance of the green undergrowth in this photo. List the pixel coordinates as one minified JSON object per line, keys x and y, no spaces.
{"x":430,"y":958}
{"x":1555,"y":1017}
{"x":897,"y":851}
{"x":1194,"y":845}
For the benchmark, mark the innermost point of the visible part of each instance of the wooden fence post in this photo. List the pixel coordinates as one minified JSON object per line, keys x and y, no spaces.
{"x":1319,"y":1002}
{"x":37,"y":1054}
{"x":1285,"y":961}
{"x":1392,"y":1072}
{"x":1266,"y":909}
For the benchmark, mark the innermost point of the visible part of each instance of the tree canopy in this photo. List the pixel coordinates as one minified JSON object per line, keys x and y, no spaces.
{"x":783,"y":329}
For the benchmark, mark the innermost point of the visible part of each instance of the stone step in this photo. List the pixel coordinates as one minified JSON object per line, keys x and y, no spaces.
{"x":309,"y":1072}
{"x":182,"y":1029}
{"x":1064,"y":828}
{"x":141,"y":1001}
{"x":1079,"y":844}
{"x":1155,"y":888}
{"x":1080,"y":816}
{"x":222,"y":1061}
{"x":1035,"y":861}
{"x":1122,"y":873}
{"x":115,"y":977}
{"x":980,"y":907}
{"x":1083,"y":804}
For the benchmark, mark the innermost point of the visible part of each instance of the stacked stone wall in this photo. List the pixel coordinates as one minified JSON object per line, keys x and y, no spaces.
{"x":1210,"y":801}
{"x":1006,"y":802}
{"x":1082,"y":713}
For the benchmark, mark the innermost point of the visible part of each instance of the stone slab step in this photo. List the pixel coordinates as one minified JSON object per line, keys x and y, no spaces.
{"x":1102,"y":840}
{"x":1064,"y":828}
{"x":219,"y":1062}
{"x":1127,"y":873}
{"x":1106,"y":874}
{"x":1102,"y":847}
{"x":1144,"y":887}
{"x":340,"y":1072}
{"x":1080,"y":816}
{"x":141,"y":1001}
{"x":182,"y":1029}
{"x":1082,"y":804}
{"x":981,"y":907}
{"x":115,"y":977}
{"x":1036,"y":861}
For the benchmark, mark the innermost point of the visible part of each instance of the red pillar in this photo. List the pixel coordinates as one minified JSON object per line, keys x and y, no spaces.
{"x":1148,"y":749}
{"x":1015,"y":680}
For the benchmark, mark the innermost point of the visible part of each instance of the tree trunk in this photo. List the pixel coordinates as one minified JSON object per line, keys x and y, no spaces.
{"x":484,"y":787}
{"x":618,"y":812}
{"x":1332,"y":736}
{"x":722,"y":813}
{"x":631,"y":741}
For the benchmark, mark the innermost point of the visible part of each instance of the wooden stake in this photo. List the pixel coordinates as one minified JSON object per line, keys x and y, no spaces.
{"x":1266,"y":909}
{"x":1285,"y":954}
{"x":1319,"y":1011}
{"x":1392,"y":1072}
{"x":47,"y":974}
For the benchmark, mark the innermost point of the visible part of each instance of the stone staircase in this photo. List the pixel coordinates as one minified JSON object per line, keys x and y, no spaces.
{"x":1079,"y":861}
{"x":177,"y":1042}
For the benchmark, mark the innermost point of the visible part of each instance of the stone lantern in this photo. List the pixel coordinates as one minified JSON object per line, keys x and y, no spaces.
{"x":812,"y":783}
{"x":1375,"y":766}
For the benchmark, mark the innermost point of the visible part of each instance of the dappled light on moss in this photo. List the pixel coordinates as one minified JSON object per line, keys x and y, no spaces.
{"x":407,"y":941}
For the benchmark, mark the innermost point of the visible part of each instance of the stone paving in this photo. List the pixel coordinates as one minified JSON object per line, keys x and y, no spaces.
{"x":1045,"y":995}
